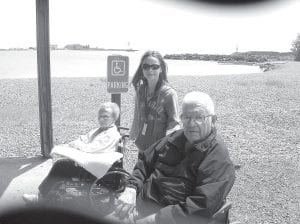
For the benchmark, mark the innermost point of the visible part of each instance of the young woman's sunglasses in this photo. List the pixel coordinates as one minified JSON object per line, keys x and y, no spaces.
{"x":153,"y":66}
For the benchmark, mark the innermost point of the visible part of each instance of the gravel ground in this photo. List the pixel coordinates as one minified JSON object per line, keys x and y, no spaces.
{"x":258,"y":117}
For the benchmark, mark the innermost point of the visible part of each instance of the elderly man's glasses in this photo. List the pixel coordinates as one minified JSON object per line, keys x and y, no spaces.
{"x":153,"y":66}
{"x":197,"y":119}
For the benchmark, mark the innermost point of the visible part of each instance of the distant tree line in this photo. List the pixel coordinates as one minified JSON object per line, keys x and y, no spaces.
{"x":296,"y":47}
{"x":249,"y":57}
{"x":77,"y":47}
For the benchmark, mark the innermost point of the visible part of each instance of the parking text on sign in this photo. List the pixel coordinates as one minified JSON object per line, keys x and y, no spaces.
{"x":117,"y":85}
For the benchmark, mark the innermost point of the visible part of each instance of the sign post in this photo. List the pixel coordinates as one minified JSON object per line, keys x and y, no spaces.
{"x":44,"y":76}
{"x":117,"y":78}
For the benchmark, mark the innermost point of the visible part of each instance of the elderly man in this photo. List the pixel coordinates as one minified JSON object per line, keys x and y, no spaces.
{"x":184,"y":177}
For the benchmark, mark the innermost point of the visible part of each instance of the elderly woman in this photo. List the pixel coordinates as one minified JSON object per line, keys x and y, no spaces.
{"x":105,"y":138}
{"x":97,"y":143}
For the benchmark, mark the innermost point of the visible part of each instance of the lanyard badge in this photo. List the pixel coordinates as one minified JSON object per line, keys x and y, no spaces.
{"x":144,"y":129}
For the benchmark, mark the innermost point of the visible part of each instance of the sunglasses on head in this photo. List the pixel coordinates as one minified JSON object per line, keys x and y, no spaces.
{"x":153,"y":66}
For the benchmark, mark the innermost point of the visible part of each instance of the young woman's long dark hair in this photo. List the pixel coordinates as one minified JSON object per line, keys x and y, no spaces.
{"x":139,"y":79}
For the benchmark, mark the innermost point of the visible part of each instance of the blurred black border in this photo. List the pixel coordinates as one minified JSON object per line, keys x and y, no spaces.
{"x":229,"y":3}
{"x":46,"y":215}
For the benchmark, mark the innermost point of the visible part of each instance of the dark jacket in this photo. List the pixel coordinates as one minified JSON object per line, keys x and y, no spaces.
{"x":186,"y":182}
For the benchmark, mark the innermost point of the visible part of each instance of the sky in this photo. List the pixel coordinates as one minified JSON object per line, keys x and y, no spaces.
{"x":170,"y":26}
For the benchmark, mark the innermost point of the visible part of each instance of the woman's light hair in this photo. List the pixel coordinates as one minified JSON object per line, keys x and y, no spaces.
{"x":114,"y":108}
{"x":197,"y":97}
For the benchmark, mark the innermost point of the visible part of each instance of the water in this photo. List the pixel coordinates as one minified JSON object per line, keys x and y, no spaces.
{"x":66,"y":63}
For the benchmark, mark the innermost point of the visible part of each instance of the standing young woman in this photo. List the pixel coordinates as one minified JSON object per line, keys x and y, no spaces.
{"x":156,"y":103}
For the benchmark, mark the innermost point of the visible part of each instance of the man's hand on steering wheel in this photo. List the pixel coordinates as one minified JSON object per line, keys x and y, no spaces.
{"x":126,"y":203}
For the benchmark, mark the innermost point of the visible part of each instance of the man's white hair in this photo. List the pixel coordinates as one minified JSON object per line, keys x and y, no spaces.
{"x":197,"y":97}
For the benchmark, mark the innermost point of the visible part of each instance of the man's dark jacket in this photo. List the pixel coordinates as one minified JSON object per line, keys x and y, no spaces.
{"x":187,"y":182}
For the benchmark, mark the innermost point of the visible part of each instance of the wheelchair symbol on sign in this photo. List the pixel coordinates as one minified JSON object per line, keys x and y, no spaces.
{"x":118,"y":68}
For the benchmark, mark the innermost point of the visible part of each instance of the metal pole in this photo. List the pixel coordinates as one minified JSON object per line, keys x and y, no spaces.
{"x":116,"y":98}
{"x":44,"y":86}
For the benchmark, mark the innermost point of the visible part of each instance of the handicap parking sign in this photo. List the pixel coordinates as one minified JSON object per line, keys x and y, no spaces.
{"x":118,"y":67}
{"x":117,"y":73}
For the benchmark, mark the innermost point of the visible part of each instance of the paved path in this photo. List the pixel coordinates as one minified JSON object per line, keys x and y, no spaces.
{"x":19,"y":176}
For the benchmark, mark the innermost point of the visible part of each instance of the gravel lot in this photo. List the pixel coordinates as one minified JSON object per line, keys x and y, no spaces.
{"x":258,"y":117}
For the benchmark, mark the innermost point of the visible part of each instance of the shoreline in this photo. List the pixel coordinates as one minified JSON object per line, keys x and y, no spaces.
{"x":69,"y":63}
{"x":261,"y":67}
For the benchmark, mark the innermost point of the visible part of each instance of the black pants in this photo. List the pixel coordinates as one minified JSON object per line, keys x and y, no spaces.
{"x":61,"y":170}
{"x":66,"y":169}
